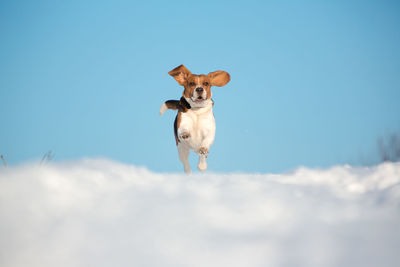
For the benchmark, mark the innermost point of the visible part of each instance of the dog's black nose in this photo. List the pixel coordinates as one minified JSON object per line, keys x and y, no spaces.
{"x":199,"y":89}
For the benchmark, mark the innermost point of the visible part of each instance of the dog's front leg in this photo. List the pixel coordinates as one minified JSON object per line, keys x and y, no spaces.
{"x":208,"y":136}
{"x":183,"y":134}
{"x":185,"y":126}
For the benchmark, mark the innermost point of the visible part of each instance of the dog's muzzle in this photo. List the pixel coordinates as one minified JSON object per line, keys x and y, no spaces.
{"x":199,"y":94}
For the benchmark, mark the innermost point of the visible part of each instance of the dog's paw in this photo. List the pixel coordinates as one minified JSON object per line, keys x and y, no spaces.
{"x":203,"y":151}
{"x":184,"y":135}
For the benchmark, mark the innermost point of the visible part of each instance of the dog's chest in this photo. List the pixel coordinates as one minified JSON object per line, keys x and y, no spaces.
{"x":200,"y":124}
{"x":198,"y":121}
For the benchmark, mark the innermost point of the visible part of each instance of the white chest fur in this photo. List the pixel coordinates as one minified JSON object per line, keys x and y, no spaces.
{"x":199,"y":123}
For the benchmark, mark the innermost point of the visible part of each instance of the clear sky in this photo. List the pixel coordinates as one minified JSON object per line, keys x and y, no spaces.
{"x":313,"y":83}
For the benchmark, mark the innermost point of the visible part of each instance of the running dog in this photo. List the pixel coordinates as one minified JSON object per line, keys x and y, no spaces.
{"x":194,"y":125}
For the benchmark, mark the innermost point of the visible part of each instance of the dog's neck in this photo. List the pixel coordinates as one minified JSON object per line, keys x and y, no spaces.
{"x":198,"y":105}
{"x":184,"y":103}
{"x":199,"y":108}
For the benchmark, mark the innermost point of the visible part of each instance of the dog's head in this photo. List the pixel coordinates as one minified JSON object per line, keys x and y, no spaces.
{"x":198,"y":87}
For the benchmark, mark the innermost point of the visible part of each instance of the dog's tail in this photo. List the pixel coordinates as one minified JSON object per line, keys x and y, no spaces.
{"x":170,"y":104}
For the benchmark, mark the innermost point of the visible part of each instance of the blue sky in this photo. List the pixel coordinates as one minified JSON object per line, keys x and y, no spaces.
{"x":314,"y":83}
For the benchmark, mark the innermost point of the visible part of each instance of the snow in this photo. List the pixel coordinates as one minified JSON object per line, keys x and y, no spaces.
{"x":96,"y":212}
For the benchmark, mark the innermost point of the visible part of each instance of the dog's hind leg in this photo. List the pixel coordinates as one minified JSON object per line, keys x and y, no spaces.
{"x":184,"y":157}
{"x":202,"y":166}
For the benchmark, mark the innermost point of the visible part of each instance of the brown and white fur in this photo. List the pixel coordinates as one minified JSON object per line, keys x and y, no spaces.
{"x":194,"y":125}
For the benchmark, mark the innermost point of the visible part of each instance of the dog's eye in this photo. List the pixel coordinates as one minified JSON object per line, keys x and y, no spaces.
{"x":205,"y":83}
{"x":191,"y":84}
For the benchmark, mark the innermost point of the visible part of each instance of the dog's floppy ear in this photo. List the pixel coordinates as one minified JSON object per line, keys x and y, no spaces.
{"x":180,"y":73}
{"x":219,"y":78}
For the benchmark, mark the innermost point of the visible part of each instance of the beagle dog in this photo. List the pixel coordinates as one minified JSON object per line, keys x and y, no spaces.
{"x":194,"y":125}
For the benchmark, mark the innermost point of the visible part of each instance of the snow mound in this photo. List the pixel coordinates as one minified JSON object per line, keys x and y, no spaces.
{"x":97,"y":212}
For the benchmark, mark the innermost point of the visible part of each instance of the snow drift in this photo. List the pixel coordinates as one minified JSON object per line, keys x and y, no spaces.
{"x":103,"y":213}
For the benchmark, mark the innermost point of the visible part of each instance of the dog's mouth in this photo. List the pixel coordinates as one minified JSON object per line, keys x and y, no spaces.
{"x":199,"y":99}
